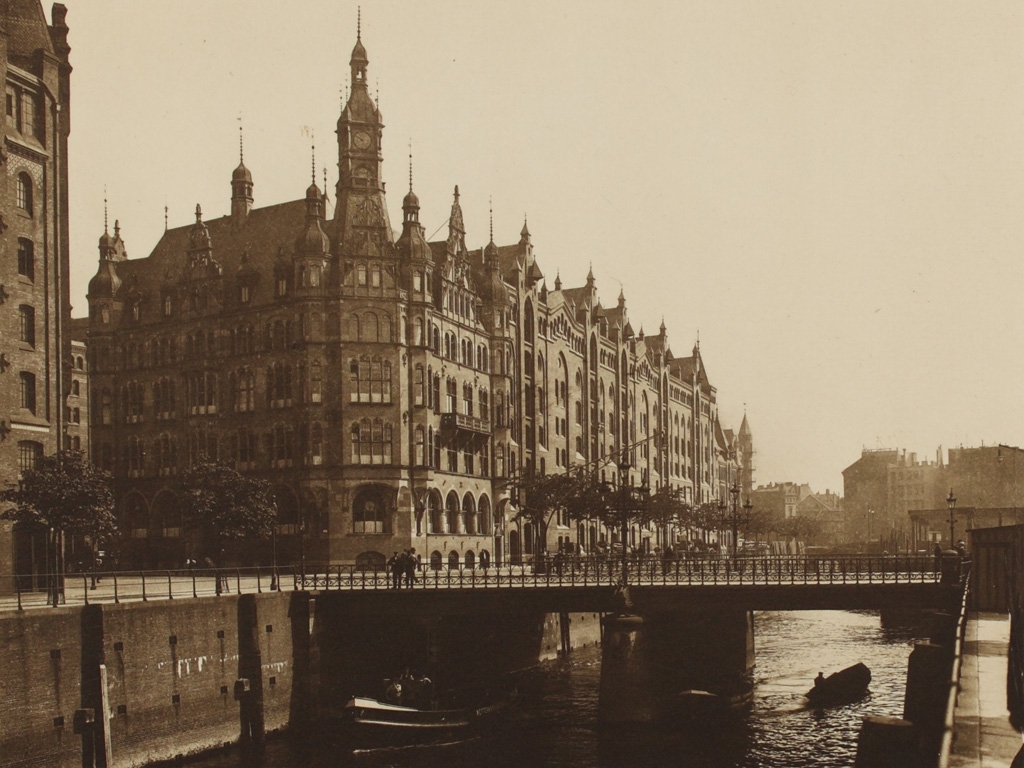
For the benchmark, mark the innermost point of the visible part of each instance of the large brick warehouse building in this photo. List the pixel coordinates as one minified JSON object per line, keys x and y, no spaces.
{"x":390,"y":388}
{"x":35,"y":309}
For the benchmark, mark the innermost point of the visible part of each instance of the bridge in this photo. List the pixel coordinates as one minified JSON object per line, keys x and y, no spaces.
{"x":759,"y":583}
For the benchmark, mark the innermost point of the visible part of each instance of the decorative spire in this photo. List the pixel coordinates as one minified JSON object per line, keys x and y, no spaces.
{"x":199,"y":214}
{"x":663,"y":328}
{"x":104,"y":209}
{"x":590,"y":274}
{"x":241,"y":145}
{"x":312,"y":154}
{"x":490,"y":206}
{"x":410,"y":165}
{"x":359,"y":23}
{"x":166,"y":226}
{"x":558,"y":281}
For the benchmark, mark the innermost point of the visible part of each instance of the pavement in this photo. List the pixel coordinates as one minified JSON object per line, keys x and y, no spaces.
{"x":983,"y":737}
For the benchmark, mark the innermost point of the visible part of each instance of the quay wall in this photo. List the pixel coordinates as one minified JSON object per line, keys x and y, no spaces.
{"x":40,"y":681}
{"x":181,"y":677}
{"x":146,"y":682}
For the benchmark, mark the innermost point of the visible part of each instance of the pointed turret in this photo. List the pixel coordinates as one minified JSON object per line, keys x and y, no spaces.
{"x":412,"y":244}
{"x":241,"y":187}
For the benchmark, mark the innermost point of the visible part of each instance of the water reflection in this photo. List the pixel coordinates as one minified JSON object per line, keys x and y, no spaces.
{"x":557,"y":725}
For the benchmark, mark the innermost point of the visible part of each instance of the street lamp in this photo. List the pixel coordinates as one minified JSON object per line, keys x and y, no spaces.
{"x":747,"y":506}
{"x":625,"y":499}
{"x":951,"y":503}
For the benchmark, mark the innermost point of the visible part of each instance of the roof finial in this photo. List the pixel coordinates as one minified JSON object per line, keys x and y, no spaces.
{"x":325,"y":181}
{"x":241,"y":148}
{"x":165,"y":219}
{"x":359,"y":22}
{"x":697,"y":347}
{"x":312,"y":153}
{"x":376,"y":94}
{"x":490,"y":205}
{"x":199,"y":213}
{"x":410,"y":165}
{"x":105,"y":209}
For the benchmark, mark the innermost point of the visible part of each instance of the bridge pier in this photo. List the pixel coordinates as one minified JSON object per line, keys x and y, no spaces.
{"x":648,"y":661}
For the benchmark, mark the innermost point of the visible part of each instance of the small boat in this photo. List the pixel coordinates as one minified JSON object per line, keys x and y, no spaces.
{"x":367,"y":723}
{"x":842,"y":687}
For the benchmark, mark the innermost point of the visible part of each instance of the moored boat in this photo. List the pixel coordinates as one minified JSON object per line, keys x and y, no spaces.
{"x":366,"y":723}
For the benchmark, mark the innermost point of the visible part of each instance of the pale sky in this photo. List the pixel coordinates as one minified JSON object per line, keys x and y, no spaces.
{"x":830,"y":193}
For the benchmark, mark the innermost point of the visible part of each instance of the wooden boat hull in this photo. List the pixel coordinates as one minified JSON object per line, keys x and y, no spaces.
{"x":842,"y":687}
{"x":365,"y":724}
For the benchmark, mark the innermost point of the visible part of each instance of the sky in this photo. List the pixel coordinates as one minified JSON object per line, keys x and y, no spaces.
{"x":828,"y":194}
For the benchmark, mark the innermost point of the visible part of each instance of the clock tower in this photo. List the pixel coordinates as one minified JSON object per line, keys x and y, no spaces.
{"x":361,"y":214}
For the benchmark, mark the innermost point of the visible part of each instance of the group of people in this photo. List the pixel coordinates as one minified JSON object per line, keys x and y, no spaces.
{"x":410,"y":690}
{"x":402,"y":568}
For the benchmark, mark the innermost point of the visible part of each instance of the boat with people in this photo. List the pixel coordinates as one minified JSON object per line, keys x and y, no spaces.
{"x":409,"y":716}
{"x":842,"y":687}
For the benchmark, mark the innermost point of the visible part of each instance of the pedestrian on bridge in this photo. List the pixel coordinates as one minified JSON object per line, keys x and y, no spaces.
{"x":396,"y":567}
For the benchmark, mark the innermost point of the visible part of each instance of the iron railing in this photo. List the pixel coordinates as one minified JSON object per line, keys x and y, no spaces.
{"x":121,"y":586}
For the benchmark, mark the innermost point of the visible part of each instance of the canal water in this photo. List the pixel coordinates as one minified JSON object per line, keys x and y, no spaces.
{"x":557,"y":723}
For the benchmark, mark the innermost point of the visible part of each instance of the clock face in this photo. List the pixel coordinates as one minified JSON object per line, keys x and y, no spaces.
{"x":361,"y":140}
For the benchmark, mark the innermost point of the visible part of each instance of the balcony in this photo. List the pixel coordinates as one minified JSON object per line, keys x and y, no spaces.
{"x":451,"y":422}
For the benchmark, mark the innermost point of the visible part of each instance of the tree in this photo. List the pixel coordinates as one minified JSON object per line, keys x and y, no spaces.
{"x":539,"y":497}
{"x":221,"y":503}
{"x":65,"y":494}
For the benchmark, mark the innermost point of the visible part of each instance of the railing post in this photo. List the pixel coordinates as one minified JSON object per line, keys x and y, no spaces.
{"x":143,"y":575}
{"x":116,"y":598}
{"x":170,"y":589}
{"x":194,"y":593}
{"x":85,"y":588}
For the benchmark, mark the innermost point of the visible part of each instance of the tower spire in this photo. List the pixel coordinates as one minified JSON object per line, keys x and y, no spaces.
{"x":410,"y":165}
{"x":312,"y":153}
{"x":490,"y":206}
{"x":104,"y":209}
{"x":241,"y":145}
{"x":359,"y":23}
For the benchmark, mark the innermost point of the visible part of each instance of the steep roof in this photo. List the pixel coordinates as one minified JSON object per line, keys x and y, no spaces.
{"x":26,"y":28}
{"x":261,"y":235}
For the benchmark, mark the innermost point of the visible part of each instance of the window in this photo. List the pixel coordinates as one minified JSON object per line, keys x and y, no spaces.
{"x":370,"y":380}
{"x":361,"y":274}
{"x":26,"y":259}
{"x":29,"y":453}
{"x":76,"y":388}
{"x":245,"y":391}
{"x":27,"y":325}
{"x":28,"y":391}
{"x":467,"y":399}
{"x":279,"y":385}
{"x":168,"y":306}
{"x":245,"y":294}
{"x":316,"y":443}
{"x":316,"y":382}
{"x":25,"y":193}
{"x":371,"y":442}
{"x":451,"y":394}
{"x":245,"y":448}
{"x":368,"y":513}
{"x":417,"y":385}
{"x":375,"y":275}
{"x":281,"y":286}
{"x":281,"y":445}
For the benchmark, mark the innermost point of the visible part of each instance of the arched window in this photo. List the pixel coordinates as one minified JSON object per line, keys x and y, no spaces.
{"x":368,"y":512}
{"x":419,"y":459}
{"x":469,"y":514}
{"x":369,"y":380}
{"x":452,"y":513}
{"x":485,"y":526}
{"x":25,"y":193}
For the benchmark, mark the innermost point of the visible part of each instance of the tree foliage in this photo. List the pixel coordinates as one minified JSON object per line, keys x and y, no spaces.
{"x":66,"y":493}
{"x":219,"y":501}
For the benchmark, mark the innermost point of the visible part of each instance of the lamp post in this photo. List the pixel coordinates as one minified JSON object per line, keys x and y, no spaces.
{"x":625,"y":499}
{"x":951,"y":503}
{"x":747,"y":506}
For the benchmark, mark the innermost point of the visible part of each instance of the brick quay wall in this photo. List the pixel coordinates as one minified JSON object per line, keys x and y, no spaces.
{"x":137,"y":683}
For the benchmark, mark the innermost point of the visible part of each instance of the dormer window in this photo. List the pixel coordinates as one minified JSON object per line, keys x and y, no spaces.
{"x":281,"y":286}
{"x":245,"y":294}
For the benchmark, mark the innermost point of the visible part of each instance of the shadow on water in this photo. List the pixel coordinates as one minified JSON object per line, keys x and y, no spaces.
{"x":556,"y":722}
